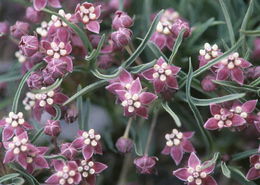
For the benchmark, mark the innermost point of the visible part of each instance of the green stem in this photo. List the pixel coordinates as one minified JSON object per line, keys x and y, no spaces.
{"x":127,"y":129}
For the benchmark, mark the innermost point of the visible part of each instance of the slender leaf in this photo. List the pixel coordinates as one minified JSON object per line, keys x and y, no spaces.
{"x":142,"y":67}
{"x":81,"y":110}
{"x":37,"y":135}
{"x":212,"y":161}
{"x":255,"y":82}
{"x":8,"y":177}
{"x":176,"y":46}
{"x":243,"y":155}
{"x":85,"y":90}
{"x":237,"y":175}
{"x":235,"y":86}
{"x":225,"y":169}
{"x":101,"y":76}
{"x":228,"y":21}
{"x":55,"y":157}
{"x":54,"y":86}
{"x":58,"y":112}
{"x":173,"y":115}
{"x":94,"y":54}
{"x":251,"y":32}
{"x":18,"y":181}
{"x":207,"y":102}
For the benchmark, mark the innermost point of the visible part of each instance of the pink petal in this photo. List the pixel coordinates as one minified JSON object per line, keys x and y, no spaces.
{"x":91,"y":180}
{"x":41,"y":162}
{"x":114,"y":86}
{"x":63,"y":35}
{"x":193,"y":160}
{"x":46,"y":44}
{"x":58,"y":165}
{"x":93,"y":26}
{"x":98,"y":149}
{"x":121,"y":94}
{"x":160,"y":61}
{"x":176,"y":154}
{"x":159,"y":40}
{"x":172,"y":82}
{"x":147,"y":97}
{"x":158,"y":85}
{"x":78,"y":143}
{"x":127,"y":113}
{"x":188,"y":135}
{"x":211,"y":124}
{"x":142,"y":111}
{"x":244,"y":63}
{"x":8,"y":133}
{"x":125,"y":76}
{"x":181,"y":174}
{"x":166,"y":150}
{"x":136,"y":86}
{"x":42,"y":150}
{"x":54,"y":3}
{"x":253,"y":174}
{"x":223,"y":74}
{"x":99,"y":167}
{"x":88,"y":152}
{"x":2,"y":123}
{"x":39,"y":4}
{"x":60,"y":98}
{"x":22,"y":160}
{"x":249,"y":106}
{"x":54,"y":179}
{"x":237,"y":120}
{"x":209,"y":181}
{"x":215,"y":109}
{"x":175,"y":70}
{"x":72,"y":165}
{"x":254,"y":159}
{"x":187,"y":146}
{"x":148,"y":74}
{"x":170,"y":42}
{"x":237,"y":76}
{"x":97,"y":11}
{"x":9,"y":156}
{"x":209,"y":169}
{"x":50,"y":109}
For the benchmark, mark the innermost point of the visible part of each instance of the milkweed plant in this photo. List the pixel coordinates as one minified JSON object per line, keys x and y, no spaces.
{"x":130,"y":92}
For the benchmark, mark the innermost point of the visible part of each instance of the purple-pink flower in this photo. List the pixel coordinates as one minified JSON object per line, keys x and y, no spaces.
{"x":88,"y":14}
{"x":209,"y":52}
{"x":89,"y":142}
{"x":146,"y":164}
{"x":207,"y":84}
{"x":40,"y":4}
{"x":124,"y":145}
{"x":121,"y":37}
{"x":233,"y":66}
{"x":162,"y":75}
{"x":33,"y":15}
{"x":66,"y":173}
{"x":121,"y":20}
{"x":29,"y":45}
{"x":13,"y":124}
{"x":177,"y":144}
{"x":244,"y":110}
{"x":68,"y":150}
{"x":52,"y":128}
{"x":4,"y":28}
{"x":134,"y":100}
{"x":222,"y":117}
{"x":196,"y":173}
{"x":19,"y":29}
{"x":35,"y":159}
{"x":254,"y":171}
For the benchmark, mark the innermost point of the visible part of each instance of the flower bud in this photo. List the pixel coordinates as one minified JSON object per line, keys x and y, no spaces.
{"x":122,"y":20}
{"x":146,"y":164}
{"x":35,"y":81}
{"x":124,"y":145}
{"x":68,"y":150}
{"x":19,"y":29}
{"x":32,"y":15}
{"x":71,"y":114}
{"x":52,"y":128}
{"x":121,"y":37}
{"x":29,"y":45}
{"x":207,"y":84}
{"x":180,"y":24}
{"x":4,"y":28}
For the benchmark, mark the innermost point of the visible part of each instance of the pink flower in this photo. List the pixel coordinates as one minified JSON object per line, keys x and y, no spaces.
{"x":52,"y":128}
{"x":4,"y":28}
{"x":232,"y":66}
{"x":88,"y":14}
{"x":124,"y":145}
{"x":89,"y":169}
{"x":162,"y":75}
{"x":123,"y":82}
{"x":222,"y":117}
{"x":19,"y":29}
{"x":146,"y":164}
{"x":121,"y":20}
{"x":195,"y":173}
{"x":29,"y":45}
{"x":35,"y":80}
{"x":121,"y":37}
{"x":35,"y":159}
{"x":178,"y":25}
{"x":135,"y":101}
{"x":32,"y":15}
{"x":13,"y":124}
{"x":18,"y":149}
{"x":208,"y":53}
{"x":68,"y":150}
{"x":40,"y":4}
{"x":46,"y":100}
{"x":163,"y":40}
{"x":178,"y":143}
{"x":89,"y":142}
{"x":254,"y":171}
{"x":66,"y":173}
{"x":207,"y":84}
{"x":244,"y":110}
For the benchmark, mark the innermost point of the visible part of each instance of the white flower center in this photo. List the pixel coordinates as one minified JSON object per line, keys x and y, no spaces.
{"x":15,"y":119}
{"x":29,"y":101}
{"x":165,"y":24}
{"x":87,"y":14}
{"x":90,"y":138}
{"x":232,"y":61}
{"x":18,"y":145}
{"x":45,"y":98}
{"x":209,"y":52}
{"x":257,"y":166}
{"x":57,"y":22}
{"x":57,"y":50}
{"x":174,"y":139}
{"x":161,"y":71}
{"x":21,"y":58}
{"x":223,"y":119}
{"x":66,"y":175}
{"x":196,"y":175}
{"x":132,"y":102}
{"x":86,"y":168}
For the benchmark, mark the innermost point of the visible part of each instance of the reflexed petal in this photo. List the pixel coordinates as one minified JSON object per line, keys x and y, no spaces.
{"x":59,"y":98}
{"x":237,"y":120}
{"x":253,"y":174}
{"x":176,"y":154}
{"x":181,"y":174}
{"x":188,"y":135}
{"x":245,"y":63}
{"x":127,"y":113}
{"x":254,"y":159}
{"x":63,"y":35}
{"x":27,"y":126}
{"x":209,"y":181}
{"x":158,"y":85}
{"x":142,"y":111}
{"x":237,"y":76}
{"x":187,"y":146}
{"x":159,"y":40}
{"x":58,"y":165}
{"x":172,"y":82}
{"x":211,"y":124}
{"x":98,"y":149}
{"x":54,"y":179}
{"x":148,"y":74}
{"x":147,"y":98}
{"x":72,"y":165}
{"x":2,"y":123}
{"x":114,"y":86}
{"x":125,"y":76}
{"x":88,"y":152}
{"x":175,"y":70}
{"x":99,"y":167}
{"x":136,"y":86}
{"x":215,"y":109}
{"x":41,"y":162}
{"x":223,"y":74}
{"x":8,"y":133}
{"x":46,"y":45}
{"x":93,"y":26}
{"x":97,"y":11}
{"x":121,"y":94}
{"x":22,"y":159}
{"x":9,"y":156}
{"x":249,"y":106}
{"x":78,"y":143}
{"x":193,"y":160}
{"x":39,"y":4}
{"x":166,"y":150}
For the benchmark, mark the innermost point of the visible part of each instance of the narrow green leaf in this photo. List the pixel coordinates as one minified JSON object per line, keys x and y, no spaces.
{"x":255,"y":82}
{"x":251,"y":32}
{"x":173,"y":115}
{"x":238,"y":176}
{"x":8,"y":177}
{"x":80,"y":109}
{"x":54,"y":86}
{"x":18,"y":181}
{"x":141,"y":47}
{"x":101,"y":76}
{"x":94,"y":54}
{"x":212,"y":161}
{"x":247,"y":15}
{"x":58,"y":112}
{"x":156,"y":51}
{"x":20,"y":87}
{"x":235,"y":86}
{"x":176,"y":46}
{"x":225,"y":169}
{"x":243,"y":155}
{"x":142,"y":67}
{"x":85,"y":90}
{"x":228,"y":21}
{"x":37,"y":135}
{"x":207,"y":102}
{"x":55,"y":157}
